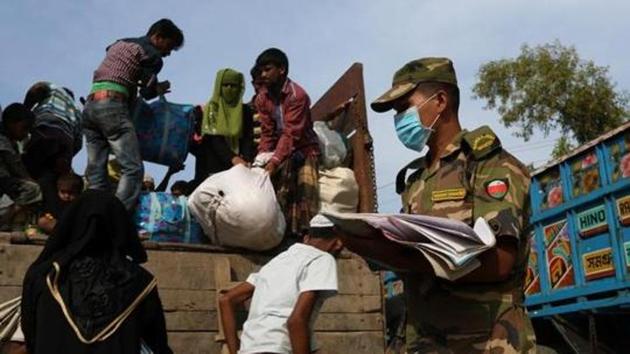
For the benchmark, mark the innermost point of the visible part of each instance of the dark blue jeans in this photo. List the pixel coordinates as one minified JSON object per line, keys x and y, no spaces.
{"x":108,"y":128}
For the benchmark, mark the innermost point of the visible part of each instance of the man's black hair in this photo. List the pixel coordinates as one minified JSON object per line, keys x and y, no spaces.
{"x":36,"y":93}
{"x":16,"y":112}
{"x":322,"y":232}
{"x":255,"y":72}
{"x":167,"y":29}
{"x":429,"y":88}
{"x":273,"y":56}
{"x":39,"y":92}
{"x":182,"y":186}
{"x":73,"y":180}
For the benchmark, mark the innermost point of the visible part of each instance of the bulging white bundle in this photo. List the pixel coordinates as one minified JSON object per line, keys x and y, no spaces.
{"x":338,"y":190}
{"x":238,"y":208}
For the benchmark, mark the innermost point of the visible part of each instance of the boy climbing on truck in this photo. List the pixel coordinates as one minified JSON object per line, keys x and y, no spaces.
{"x":130,"y":66}
{"x":288,"y":147}
{"x":286,"y":295}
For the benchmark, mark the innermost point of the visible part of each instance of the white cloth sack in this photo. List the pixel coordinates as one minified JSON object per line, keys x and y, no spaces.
{"x":331,"y":145}
{"x":238,"y":208}
{"x":338,"y":190}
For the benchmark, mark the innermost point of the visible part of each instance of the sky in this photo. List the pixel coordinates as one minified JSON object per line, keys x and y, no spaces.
{"x":63,"y":41}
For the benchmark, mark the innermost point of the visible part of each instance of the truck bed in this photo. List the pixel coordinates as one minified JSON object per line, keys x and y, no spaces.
{"x":188,"y":278}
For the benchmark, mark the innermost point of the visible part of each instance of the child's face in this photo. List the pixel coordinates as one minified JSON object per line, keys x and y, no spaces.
{"x":148,"y":186}
{"x":176,"y":192}
{"x":66,"y":193}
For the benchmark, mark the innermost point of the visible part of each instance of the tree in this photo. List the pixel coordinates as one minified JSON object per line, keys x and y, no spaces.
{"x":549,"y":87}
{"x":563,"y":147}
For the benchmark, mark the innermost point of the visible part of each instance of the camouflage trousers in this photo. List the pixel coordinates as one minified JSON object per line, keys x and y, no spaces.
{"x":512,"y":332}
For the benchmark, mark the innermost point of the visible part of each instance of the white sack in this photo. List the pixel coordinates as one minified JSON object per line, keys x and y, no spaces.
{"x":338,"y":190}
{"x":238,"y":208}
{"x":331,"y":145}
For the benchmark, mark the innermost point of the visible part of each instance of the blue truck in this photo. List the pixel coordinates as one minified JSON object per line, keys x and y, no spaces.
{"x":578,"y":276}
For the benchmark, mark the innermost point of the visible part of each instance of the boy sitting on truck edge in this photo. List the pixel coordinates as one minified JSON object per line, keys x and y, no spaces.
{"x":286,"y":294}
{"x":17,"y":121}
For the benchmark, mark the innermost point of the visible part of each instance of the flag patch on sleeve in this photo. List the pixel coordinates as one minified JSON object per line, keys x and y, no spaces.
{"x":497,"y":188}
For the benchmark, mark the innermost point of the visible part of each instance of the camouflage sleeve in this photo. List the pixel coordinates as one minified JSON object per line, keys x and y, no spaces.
{"x":501,"y":195}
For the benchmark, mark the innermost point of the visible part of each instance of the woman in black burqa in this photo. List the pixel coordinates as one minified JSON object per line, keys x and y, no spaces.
{"x":86,"y":292}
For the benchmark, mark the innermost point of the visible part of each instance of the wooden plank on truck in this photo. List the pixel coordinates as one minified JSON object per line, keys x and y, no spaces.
{"x":352,"y":123}
{"x":190,"y":306}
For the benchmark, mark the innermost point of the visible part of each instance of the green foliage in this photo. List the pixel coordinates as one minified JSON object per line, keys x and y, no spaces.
{"x":563,"y":147}
{"x":549,"y":87}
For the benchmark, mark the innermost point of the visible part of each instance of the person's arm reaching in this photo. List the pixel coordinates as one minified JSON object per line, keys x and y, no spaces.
{"x":386,"y":253}
{"x":155,"y":88}
{"x":150,"y":65}
{"x":227,"y":303}
{"x":298,"y":322}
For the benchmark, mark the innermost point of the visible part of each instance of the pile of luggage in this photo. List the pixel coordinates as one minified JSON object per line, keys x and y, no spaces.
{"x":234,"y":208}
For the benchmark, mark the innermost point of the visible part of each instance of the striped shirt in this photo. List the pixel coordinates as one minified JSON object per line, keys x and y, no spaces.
{"x":59,"y":111}
{"x":132,"y":62}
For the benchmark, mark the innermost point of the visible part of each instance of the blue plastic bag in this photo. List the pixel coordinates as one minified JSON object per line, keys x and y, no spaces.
{"x":166,"y":218}
{"x":164,"y":130}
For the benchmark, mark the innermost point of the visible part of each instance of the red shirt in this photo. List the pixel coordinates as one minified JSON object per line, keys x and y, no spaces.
{"x":286,"y":128}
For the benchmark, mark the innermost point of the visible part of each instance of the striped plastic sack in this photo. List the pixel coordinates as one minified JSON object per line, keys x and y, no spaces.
{"x":164,"y":130}
{"x":166,"y":218}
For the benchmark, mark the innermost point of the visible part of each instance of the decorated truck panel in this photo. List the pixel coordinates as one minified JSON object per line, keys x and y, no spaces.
{"x":580,"y":249}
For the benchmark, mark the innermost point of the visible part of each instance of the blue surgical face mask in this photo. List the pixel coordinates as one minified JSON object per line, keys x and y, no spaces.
{"x":410,"y":130}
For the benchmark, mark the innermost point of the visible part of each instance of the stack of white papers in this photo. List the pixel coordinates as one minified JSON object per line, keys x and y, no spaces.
{"x":450,"y":246}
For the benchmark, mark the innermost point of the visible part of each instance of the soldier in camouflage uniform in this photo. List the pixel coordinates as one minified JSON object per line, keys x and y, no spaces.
{"x":465,"y":175}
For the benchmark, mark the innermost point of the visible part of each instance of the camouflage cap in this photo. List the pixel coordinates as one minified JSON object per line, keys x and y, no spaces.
{"x":413,"y":73}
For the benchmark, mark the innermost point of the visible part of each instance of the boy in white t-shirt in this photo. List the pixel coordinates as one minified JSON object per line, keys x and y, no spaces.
{"x":287,"y":294}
